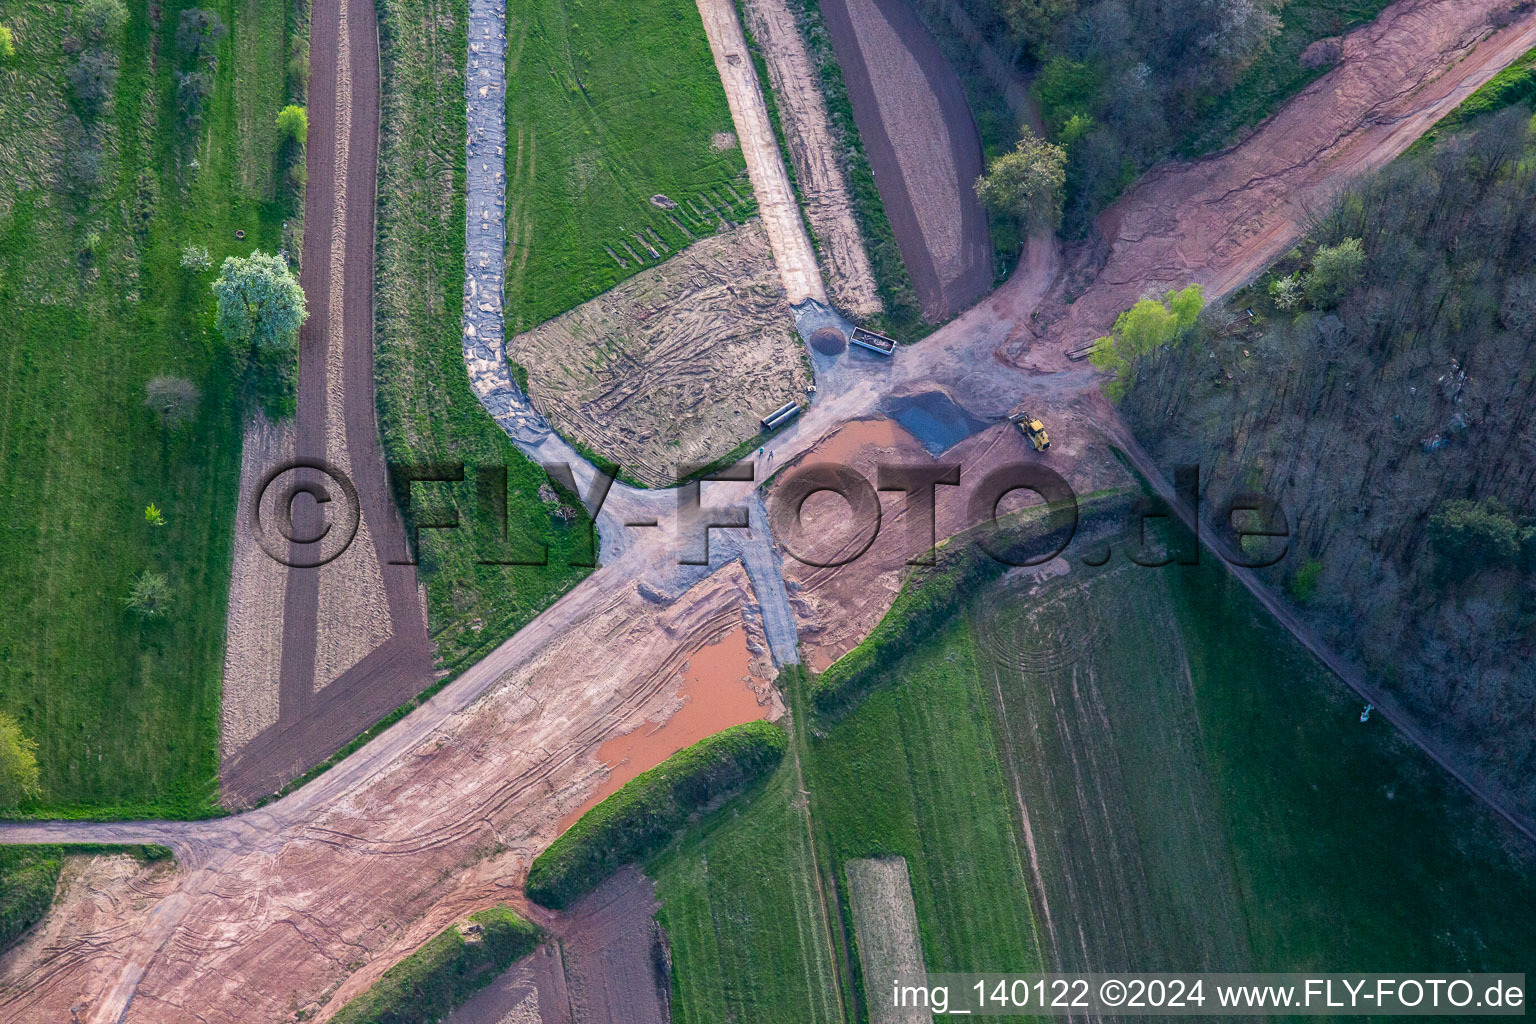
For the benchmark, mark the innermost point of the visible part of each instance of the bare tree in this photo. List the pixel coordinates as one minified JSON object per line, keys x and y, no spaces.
{"x":174,"y":399}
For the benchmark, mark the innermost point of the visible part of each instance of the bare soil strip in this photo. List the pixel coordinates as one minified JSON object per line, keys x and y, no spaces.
{"x":818,"y":174}
{"x":775,"y":197}
{"x":354,"y":629}
{"x":253,"y":642}
{"x":923,"y":148}
{"x":885,"y":920}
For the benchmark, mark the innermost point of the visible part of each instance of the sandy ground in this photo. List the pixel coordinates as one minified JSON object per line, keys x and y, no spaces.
{"x":776,"y":203}
{"x":253,"y":641}
{"x":271,"y":912}
{"x":1220,"y":220}
{"x":818,"y":172}
{"x":885,"y":920}
{"x":674,"y":366}
{"x":922,"y":145}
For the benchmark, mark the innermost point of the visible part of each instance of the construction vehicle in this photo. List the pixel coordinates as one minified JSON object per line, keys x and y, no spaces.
{"x":1033,"y":430}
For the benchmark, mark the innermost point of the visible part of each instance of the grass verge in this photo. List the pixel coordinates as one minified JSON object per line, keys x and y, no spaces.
{"x":427,"y":412}
{"x":425,"y":986}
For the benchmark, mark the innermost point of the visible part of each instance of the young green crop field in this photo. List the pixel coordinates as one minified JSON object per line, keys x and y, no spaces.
{"x":1198,"y":794}
{"x":1211,"y":797}
{"x":744,"y":915}
{"x":125,"y":712}
{"x":608,"y":104}
{"x":427,"y":411}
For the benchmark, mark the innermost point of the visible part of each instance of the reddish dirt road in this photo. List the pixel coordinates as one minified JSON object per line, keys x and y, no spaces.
{"x":1221,"y":220}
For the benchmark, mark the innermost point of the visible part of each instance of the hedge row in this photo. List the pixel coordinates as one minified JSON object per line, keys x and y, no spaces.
{"x":28,"y":877}
{"x":642,"y":817}
{"x":933,"y":594}
{"x":425,"y":986}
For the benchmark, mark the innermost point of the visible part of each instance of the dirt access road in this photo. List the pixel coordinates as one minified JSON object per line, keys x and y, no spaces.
{"x":270,"y":912}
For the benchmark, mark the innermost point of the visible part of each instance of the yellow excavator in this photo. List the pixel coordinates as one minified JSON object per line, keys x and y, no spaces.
{"x":1033,"y":430}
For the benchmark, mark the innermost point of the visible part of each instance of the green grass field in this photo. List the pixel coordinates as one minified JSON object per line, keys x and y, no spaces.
{"x":1197,"y":789}
{"x":427,"y":411}
{"x":125,"y":714}
{"x":744,"y":916}
{"x":1212,"y":798}
{"x":609,"y":103}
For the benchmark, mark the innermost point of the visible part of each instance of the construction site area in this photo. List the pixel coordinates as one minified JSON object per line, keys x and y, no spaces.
{"x":1087,"y":762}
{"x":675,"y":366}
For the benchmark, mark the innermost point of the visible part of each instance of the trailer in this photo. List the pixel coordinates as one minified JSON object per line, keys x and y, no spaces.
{"x":873,"y":342}
{"x":780,"y":416}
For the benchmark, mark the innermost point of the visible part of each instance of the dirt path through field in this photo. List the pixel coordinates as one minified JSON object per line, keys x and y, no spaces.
{"x":354,"y":643}
{"x":270,"y":913}
{"x":776,"y":202}
{"x":818,"y":168}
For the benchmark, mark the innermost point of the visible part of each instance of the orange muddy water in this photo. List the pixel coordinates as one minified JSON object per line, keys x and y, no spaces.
{"x":716,"y":695}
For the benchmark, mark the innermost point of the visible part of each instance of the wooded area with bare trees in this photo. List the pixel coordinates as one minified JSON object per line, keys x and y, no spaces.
{"x":1390,"y":414}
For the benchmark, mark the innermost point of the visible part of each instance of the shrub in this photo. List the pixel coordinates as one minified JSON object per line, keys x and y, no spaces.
{"x":195,"y":257}
{"x":1142,"y":329}
{"x":1335,"y":270}
{"x":642,"y":817}
{"x":192,"y":91}
{"x":150,"y":596}
{"x":173,"y":399}
{"x":425,"y":986}
{"x":1304,"y":584}
{"x":92,"y":80}
{"x":198,"y":33}
{"x":102,"y":20}
{"x":18,"y":764}
{"x":1286,"y":291}
{"x":1467,"y":536}
{"x":293,"y":123}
